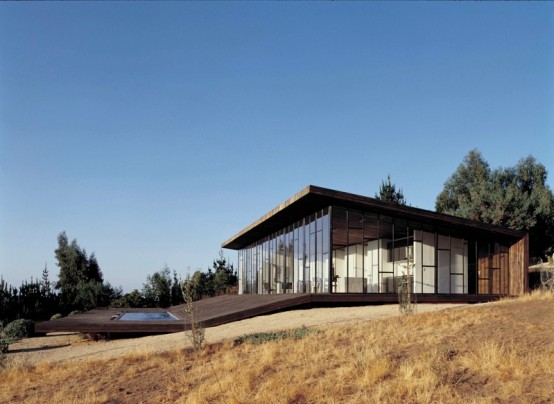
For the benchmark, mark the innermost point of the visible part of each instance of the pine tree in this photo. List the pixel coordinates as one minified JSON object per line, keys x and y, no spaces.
{"x":46,"y":287}
{"x":388,"y":192}
{"x":225,"y":276}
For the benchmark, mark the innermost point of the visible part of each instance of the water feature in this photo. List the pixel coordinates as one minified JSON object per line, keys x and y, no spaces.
{"x":147,"y":316}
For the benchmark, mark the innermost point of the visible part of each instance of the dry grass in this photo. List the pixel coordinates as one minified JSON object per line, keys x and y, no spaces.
{"x":499,"y":352}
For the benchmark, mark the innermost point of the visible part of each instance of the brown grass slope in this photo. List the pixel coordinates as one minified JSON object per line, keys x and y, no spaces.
{"x":498,"y":352}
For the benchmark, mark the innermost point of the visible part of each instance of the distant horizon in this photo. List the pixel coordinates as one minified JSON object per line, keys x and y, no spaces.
{"x":152,"y":132}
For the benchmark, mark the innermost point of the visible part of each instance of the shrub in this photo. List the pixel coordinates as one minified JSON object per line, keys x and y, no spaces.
{"x":547,"y":279}
{"x":196,"y":329}
{"x":3,"y":344}
{"x":56,"y":316}
{"x":261,"y":337}
{"x":18,"y":329}
{"x":74,"y":312}
{"x":132,"y":299}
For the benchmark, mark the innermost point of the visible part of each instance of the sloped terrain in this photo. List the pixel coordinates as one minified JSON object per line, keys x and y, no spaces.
{"x":497,"y":352}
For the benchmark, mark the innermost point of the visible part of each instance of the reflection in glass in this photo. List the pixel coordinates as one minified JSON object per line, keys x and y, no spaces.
{"x":343,"y":250}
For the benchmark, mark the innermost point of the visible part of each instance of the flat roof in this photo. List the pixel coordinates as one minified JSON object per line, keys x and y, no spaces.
{"x":313,"y":198}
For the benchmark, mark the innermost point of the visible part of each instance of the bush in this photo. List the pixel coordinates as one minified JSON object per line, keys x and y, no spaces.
{"x":18,"y":329}
{"x":132,"y":299}
{"x":3,"y":344}
{"x":56,"y":316}
{"x":261,"y":337}
{"x":547,"y":279}
{"x":74,"y":312}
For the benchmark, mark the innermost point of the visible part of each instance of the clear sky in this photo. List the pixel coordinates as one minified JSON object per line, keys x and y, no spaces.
{"x":152,"y":132}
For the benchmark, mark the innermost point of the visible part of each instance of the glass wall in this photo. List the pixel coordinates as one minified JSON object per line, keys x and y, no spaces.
{"x":293,"y":260}
{"x":340,"y":250}
{"x":372,"y":253}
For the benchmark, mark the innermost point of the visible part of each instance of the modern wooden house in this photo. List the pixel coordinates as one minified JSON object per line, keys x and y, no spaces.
{"x":325,"y":247}
{"x":326,"y":242}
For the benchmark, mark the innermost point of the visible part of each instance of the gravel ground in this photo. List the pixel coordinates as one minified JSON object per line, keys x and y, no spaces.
{"x":62,"y":347}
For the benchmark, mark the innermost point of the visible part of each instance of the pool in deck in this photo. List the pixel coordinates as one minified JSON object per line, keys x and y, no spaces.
{"x":146,"y":316}
{"x":225,"y":309}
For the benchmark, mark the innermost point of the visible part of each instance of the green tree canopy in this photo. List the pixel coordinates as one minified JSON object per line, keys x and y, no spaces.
{"x":157,"y":289}
{"x":388,"y":192}
{"x":221,"y":280}
{"x":225,"y":276}
{"x":516,"y":197}
{"x":76,"y":269}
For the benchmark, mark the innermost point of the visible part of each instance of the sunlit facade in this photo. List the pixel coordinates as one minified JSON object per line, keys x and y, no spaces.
{"x":353,"y":244}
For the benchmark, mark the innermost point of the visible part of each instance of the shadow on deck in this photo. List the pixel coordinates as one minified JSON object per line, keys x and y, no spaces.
{"x":226,"y":309}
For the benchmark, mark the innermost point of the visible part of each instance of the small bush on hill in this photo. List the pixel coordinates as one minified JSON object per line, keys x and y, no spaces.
{"x":196,"y":334}
{"x":261,"y":337}
{"x":56,"y":316}
{"x":3,"y":344}
{"x":547,"y":279}
{"x":18,"y":329}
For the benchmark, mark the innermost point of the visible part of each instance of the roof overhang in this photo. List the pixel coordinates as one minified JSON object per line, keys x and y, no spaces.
{"x":313,"y":198}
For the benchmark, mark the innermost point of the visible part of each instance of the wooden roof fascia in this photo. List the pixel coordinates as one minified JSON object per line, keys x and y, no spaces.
{"x":281,"y":207}
{"x":316,"y":198}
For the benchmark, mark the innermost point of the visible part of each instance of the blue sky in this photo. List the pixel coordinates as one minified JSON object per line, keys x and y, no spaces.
{"x":152,"y":132}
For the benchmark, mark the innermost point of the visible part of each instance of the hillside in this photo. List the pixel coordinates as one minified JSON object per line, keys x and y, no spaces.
{"x":500,"y":351}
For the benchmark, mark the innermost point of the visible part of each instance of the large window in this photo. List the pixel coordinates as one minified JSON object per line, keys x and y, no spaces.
{"x":371,"y":254}
{"x":293,"y":260}
{"x":339,"y":250}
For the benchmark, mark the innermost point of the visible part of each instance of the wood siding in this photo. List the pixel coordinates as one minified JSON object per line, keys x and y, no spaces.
{"x":519,"y":267}
{"x":494,"y":276}
{"x":483,"y":275}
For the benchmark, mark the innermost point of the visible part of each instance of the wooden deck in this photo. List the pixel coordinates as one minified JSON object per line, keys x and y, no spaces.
{"x":226,"y":309}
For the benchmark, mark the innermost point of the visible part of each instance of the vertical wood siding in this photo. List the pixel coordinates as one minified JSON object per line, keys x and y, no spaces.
{"x":483,"y":274}
{"x":519,"y":267}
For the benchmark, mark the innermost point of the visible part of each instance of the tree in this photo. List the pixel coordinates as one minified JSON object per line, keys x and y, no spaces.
{"x":32,"y":300}
{"x":8,"y":302}
{"x":221,"y":280}
{"x":176,"y":290}
{"x":516,"y":197}
{"x":388,"y":192}
{"x":196,"y":334}
{"x":201,"y":284}
{"x":132,"y":299}
{"x":29,"y":301}
{"x":157,"y":289}
{"x":46,"y":286}
{"x":76,"y":270}
{"x":225,"y":276}
{"x":92,"y":294}
{"x":467,"y":192}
